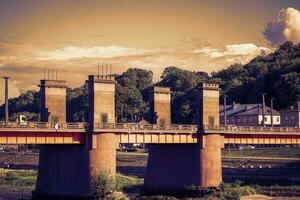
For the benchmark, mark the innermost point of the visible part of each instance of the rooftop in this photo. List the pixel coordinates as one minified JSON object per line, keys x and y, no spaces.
{"x":246,"y":109}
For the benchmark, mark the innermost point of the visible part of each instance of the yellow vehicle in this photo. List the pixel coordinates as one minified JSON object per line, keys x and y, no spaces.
{"x":22,"y":120}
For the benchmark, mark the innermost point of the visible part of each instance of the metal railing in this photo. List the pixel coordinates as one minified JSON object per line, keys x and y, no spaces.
{"x":147,"y":127}
{"x":41,"y":125}
{"x":252,"y":129}
{"x":136,"y":126}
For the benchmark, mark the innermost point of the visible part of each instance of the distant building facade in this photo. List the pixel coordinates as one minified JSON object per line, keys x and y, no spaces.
{"x":290,"y":117}
{"x":248,"y":115}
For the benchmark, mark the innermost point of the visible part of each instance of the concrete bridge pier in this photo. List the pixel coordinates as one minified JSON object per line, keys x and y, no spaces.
{"x":102,"y":146}
{"x":66,"y":170}
{"x":176,"y":166}
{"x":102,"y":155}
{"x":63,"y":169}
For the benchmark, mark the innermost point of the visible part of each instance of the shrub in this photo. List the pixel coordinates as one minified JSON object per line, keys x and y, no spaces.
{"x":102,"y":184}
{"x":235,"y":191}
{"x":105,"y":186}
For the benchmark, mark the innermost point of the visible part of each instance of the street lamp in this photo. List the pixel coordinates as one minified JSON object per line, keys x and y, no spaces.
{"x":225,"y":107}
{"x":6,"y":97}
{"x":263,"y":109}
{"x":272,"y":100}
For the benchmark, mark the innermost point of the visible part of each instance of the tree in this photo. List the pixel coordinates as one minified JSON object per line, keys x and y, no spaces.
{"x":130,"y":102}
{"x":26,"y":104}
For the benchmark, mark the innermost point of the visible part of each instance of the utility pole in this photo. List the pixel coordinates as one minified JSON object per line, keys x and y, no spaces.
{"x":6,"y":98}
{"x":263,"y":109}
{"x":272,"y":99}
{"x":225,"y":113}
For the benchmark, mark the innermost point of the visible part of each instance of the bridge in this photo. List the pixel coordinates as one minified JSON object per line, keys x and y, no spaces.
{"x":75,"y":133}
{"x":179,"y":154}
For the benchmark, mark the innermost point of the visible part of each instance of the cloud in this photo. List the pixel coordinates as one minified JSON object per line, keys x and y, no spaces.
{"x":234,"y":52}
{"x":285,"y":27}
{"x":71,"y":52}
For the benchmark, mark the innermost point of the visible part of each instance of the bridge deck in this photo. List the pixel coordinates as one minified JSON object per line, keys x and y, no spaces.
{"x":75,"y":133}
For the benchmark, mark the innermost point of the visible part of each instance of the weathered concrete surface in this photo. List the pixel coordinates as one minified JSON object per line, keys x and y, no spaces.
{"x":160,"y":105}
{"x":102,"y":156}
{"x":178,"y":165}
{"x":210,"y":160}
{"x":101,"y":99}
{"x":208,"y":104}
{"x":53,"y":100}
{"x":63,"y":170}
{"x":173,"y":165}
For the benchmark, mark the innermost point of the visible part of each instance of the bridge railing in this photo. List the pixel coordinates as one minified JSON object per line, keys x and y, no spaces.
{"x":136,"y":126}
{"x":231,"y":128}
{"x":42,"y":125}
{"x":148,"y":127}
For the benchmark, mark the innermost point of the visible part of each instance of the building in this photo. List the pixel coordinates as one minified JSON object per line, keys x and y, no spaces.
{"x":248,"y":115}
{"x":290,"y":117}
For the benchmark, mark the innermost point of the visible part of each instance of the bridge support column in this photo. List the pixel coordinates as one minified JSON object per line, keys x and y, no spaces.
{"x":175,"y":166}
{"x":63,"y":171}
{"x":102,"y":146}
{"x":210,"y":160}
{"x":102,"y":155}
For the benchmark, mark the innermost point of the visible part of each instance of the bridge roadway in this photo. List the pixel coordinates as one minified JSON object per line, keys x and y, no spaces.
{"x":75,"y":133}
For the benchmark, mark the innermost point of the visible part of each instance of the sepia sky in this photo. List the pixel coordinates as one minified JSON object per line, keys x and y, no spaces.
{"x":72,"y":36}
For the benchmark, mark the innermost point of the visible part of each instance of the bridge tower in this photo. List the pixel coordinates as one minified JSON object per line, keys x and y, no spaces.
{"x":210,"y":144}
{"x":172,"y":166}
{"x":208,"y":105}
{"x":160,"y":105}
{"x":63,"y":169}
{"x":102,"y":146}
{"x":53,"y":101}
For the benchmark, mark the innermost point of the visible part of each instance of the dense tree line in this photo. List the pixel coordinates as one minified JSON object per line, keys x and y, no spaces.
{"x":277,"y":75}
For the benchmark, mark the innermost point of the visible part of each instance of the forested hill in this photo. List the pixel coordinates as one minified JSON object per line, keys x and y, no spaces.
{"x":277,"y":75}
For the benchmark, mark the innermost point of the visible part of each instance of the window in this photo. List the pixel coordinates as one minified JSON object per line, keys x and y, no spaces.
{"x":54,"y":119}
{"x":277,"y":119}
{"x":104,"y":118}
{"x":211,"y":120}
{"x":266,"y":119}
{"x":162,"y":122}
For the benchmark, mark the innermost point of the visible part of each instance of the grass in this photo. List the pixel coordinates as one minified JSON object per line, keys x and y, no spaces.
{"x":17,"y":179}
{"x":125,"y":182}
{"x":285,"y":152}
{"x":26,"y":179}
{"x":278,"y":190}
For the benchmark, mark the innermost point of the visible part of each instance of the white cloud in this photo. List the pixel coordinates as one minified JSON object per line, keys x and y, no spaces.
{"x":69,"y":53}
{"x":234,"y":52}
{"x":285,"y":27}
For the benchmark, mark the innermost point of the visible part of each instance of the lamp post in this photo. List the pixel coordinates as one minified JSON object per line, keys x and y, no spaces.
{"x":225,"y":107}
{"x":263,"y":109}
{"x":6,"y":98}
{"x":272,"y":100}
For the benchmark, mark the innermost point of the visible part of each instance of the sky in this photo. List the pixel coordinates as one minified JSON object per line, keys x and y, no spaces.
{"x":73,"y":36}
